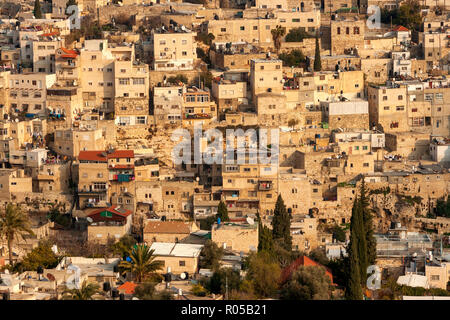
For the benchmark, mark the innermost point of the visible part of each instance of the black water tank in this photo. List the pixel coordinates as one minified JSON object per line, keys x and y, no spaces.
{"x":106,"y":286}
{"x":122,"y":296}
{"x":168,"y":277}
{"x":40,"y":270}
{"x":6,"y":296}
{"x":115,"y":293}
{"x":116,"y":268}
{"x":163,"y":218}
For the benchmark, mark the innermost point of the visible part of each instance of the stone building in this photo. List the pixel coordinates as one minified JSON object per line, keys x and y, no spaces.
{"x":353,"y":114}
{"x":173,"y":48}
{"x":347,"y":35}
{"x":236,"y":237}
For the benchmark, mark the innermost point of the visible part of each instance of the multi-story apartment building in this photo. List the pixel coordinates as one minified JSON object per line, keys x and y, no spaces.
{"x":67,"y":67}
{"x":44,"y":52}
{"x":103,"y":174}
{"x":168,"y":104}
{"x":28,"y":92}
{"x":347,"y":35}
{"x":173,"y":48}
{"x":197,"y":107}
{"x":266,"y":75}
{"x":388,"y":107}
{"x":258,"y":30}
{"x":98,"y":81}
{"x":71,"y":141}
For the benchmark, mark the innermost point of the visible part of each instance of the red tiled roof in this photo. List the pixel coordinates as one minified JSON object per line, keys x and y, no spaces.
{"x":167,"y":227}
{"x":116,"y":215}
{"x":401,"y":28}
{"x":127,"y":287}
{"x":51,"y":34}
{"x":69,"y":51}
{"x":97,"y":155}
{"x":301,"y":261}
{"x":71,"y":55}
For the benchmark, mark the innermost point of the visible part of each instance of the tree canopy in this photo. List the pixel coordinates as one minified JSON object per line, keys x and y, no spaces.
{"x":307,"y":283}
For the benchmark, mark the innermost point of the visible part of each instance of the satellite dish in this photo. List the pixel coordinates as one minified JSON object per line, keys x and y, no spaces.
{"x":183,"y":275}
{"x":250,"y":221}
{"x":89,"y":219}
{"x":51,"y":277}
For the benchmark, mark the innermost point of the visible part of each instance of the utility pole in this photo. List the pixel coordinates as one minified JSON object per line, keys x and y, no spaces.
{"x":226,"y":287}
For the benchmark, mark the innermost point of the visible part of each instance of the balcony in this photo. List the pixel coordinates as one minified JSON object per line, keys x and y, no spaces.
{"x":122,"y":177}
{"x":265,"y":185}
{"x":190,"y":116}
{"x":91,"y":191}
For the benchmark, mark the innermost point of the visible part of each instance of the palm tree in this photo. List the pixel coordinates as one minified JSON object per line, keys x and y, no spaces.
{"x":86,"y":292}
{"x":277,"y":34}
{"x":14,"y":223}
{"x":142,"y":262}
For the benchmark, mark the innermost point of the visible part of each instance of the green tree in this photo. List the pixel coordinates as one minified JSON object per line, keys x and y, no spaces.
{"x":353,"y":288}
{"x":407,"y":15}
{"x":317,"y":61}
{"x":292,"y":59}
{"x":370,"y":241}
{"x":37,"y":12}
{"x":307,"y":283}
{"x":338,"y":233}
{"x":281,"y":225}
{"x":123,"y":246}
{"x":264,"y":273}
{"x":222,"y":212}
{"x":223,"y":278}
{"x":210,"y":255}
{"x":147,"y":291}
{"x":142,"y":262}
{"x":296,"y":35}
{"x":86,"y":292}
{"x":14,"y":223}
{"x":178,"y":78}
{"x":265,"y":240}
{"x":319,"y":255}
{"x":42,"y":255}
{"x":277,"y":34}
{"x":443,"y":207}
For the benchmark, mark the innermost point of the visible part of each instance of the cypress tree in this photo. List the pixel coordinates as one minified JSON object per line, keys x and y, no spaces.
{"x":361,"y":242}
{"x":281,"y":225}
{"x":368,"y":226}
{"x":317,"y":61}
{"x":353,"y":289}
{"x":222,"y":212}
{"x":37,"y":12}
{"x":265,"y":241}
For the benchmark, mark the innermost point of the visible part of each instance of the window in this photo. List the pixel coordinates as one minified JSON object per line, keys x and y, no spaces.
{"x":400,"y":97}
{"x":242,"y":28}
{"x":295,"y":20}
{"x":338,"y":31}
{"x":400,"y":108}
{"x":139,"y":81}
{"x":223,"y":29}
{"x":435,"y":278}
{"x":124,"y":81}
{"x":182,"y":263}
{"x":140,"y":120}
